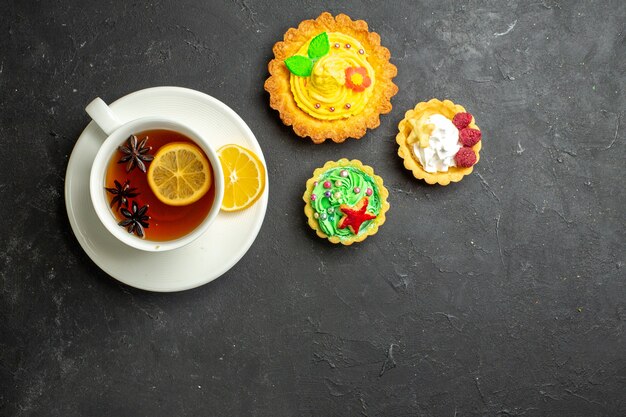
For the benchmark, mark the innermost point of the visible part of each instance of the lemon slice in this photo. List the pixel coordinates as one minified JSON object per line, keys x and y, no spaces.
{"x":180,"y":174}
{"x":244,"y":177}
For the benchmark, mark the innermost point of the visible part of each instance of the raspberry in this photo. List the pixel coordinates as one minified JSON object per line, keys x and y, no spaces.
{"x":465,"y":157}
{"x":469,"y":136}
{"x":462,"y":120}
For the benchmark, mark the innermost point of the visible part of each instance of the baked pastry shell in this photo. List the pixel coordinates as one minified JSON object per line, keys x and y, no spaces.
{"x":304,"y":125}
{"x":383,"y":193}
{"x":405,"y":151}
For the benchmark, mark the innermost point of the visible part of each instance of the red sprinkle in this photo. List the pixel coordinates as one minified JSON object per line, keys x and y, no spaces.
{"x":465,"y":157}
{"x":469,"y":136}
{"x":462,"y":120}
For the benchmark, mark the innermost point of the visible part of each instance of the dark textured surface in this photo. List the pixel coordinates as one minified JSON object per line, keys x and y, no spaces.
{"x":504,"y":294}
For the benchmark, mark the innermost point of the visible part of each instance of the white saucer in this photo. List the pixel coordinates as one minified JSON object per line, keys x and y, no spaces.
{"x":211,"y":255}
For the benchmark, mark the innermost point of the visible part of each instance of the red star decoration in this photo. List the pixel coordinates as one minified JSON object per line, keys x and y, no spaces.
{"x":355,"y":216}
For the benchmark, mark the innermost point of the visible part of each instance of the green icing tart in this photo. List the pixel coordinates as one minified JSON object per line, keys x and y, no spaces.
{"x":345,"y":201}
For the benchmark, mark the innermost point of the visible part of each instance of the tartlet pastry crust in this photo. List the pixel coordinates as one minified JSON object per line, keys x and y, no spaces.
{"x":376,"y":223}
{"x":304,"y":125}
{"x":454,"y":174}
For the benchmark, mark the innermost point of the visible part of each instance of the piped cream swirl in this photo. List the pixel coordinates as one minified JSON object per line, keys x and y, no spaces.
{"x":437,"y":144}
{"x":325,"y":95}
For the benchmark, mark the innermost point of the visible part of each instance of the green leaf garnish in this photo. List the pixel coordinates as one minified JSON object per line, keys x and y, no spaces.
{"x":299,"y":65}
{"x":319,"y":46}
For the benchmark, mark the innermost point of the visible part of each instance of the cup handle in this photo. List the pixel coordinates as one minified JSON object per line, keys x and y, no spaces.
{"x":103,"y":116}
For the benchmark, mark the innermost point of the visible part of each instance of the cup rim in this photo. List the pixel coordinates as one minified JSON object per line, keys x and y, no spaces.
{"x":98,"y":172}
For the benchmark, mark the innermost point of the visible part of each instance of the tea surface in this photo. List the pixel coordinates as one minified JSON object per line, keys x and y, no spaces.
{"x":166,"y":222}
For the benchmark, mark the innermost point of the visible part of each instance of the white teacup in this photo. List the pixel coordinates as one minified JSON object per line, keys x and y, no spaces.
{"x":117,"y":133}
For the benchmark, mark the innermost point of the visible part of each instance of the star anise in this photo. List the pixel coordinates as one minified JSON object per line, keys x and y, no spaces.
{"x":122,"y":193}
{"x":136,"y":220}
{"x":135,"y":153}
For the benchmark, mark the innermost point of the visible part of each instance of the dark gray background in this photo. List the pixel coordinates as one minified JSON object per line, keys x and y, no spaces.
{"x":501,"y":295}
